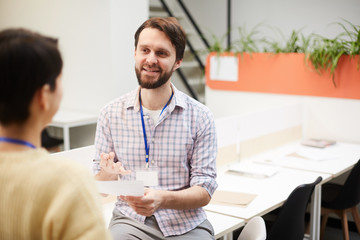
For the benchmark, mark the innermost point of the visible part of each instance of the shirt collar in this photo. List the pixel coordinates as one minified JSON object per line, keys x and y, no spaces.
{"x":177,"y":100}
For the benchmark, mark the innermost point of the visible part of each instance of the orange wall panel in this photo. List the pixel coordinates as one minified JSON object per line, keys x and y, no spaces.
{"x":288,"y":73}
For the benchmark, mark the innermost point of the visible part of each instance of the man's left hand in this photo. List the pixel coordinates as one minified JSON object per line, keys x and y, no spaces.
{"x":145,"y":205}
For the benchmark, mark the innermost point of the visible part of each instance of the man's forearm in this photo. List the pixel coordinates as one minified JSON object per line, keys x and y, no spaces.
{"x":191,"y":198}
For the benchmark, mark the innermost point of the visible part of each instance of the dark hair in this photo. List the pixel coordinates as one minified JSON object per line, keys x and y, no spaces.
{"x":171,"y":28}
{"x":28,"y":61}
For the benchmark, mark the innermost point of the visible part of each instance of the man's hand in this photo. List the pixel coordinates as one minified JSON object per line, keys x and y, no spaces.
{"x":145,"y":205}
{"x":107,"y":164}
{"x":110,"y":170}
{"x":190,"y":198}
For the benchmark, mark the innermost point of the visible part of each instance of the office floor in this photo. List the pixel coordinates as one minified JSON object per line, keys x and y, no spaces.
{"x":336,"y":234}
{"x":331,"y":233}
{"x":333,"y":230}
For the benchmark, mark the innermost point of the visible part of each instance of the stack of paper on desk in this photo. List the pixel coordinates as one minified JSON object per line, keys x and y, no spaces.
{"x":253,"y":169}
{"x":313,"y":154}
{"x":232,"y":198}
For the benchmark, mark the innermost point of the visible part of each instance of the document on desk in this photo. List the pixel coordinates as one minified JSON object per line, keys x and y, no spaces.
{"x":253,"y":169}
{"x":314,"y":154}
{"x":117,"y":188}
{"x":228,"y":198}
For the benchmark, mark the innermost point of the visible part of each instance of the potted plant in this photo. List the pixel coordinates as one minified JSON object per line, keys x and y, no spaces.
{"x":311,"y":65}
{"x":326,"y":53}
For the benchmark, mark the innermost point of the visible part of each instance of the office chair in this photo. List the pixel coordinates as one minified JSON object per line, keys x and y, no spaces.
{"x":255,"y":229}
{"x":50,"y":143}
{"x":340,"y":199}
{"x":290,"y":222}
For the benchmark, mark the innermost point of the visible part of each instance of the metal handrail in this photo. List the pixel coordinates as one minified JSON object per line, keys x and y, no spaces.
{"x":186,"y":11}
{"x":228,"y":24}
{"x":191,"y":19}
{"x":192,"y":50}
{"x":189,"y":88}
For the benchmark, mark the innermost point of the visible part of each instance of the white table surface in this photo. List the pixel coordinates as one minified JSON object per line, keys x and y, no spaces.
{"x":342,"y":156}
{"x":72,"y":118}
{"x":270,"y":192}
{"x":273,"y":191}
{"x":83,"y":155}
{"x":67,"y":119}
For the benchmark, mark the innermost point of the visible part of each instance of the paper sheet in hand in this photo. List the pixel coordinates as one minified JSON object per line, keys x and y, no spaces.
{"x":117,"y":188}
{"x":232,"y":198}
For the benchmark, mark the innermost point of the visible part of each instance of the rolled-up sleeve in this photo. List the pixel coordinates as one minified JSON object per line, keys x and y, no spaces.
{"x":203,"y":162}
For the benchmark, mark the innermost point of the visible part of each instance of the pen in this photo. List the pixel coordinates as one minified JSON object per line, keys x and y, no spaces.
{"x":98,"y":161}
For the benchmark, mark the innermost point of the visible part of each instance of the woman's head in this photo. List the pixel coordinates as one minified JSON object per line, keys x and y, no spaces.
{"x":28,"y":61}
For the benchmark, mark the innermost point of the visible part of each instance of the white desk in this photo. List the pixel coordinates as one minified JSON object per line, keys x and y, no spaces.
{"x":224,"y":225}
{"x":273,"y":191}
{"x":66,"y":119}
{"x":342,"y":157}
{"x":83,"y":155}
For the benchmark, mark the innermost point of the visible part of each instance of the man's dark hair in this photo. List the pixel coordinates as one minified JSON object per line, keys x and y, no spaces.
{"x":171,"y":28}
{"x":28,"y":61}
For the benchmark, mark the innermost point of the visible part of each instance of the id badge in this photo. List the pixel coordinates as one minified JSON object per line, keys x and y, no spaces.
{"x":148,"y":175}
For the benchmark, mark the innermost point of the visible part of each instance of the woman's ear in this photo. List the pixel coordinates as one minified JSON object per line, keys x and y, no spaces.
{"x":44,"y":97}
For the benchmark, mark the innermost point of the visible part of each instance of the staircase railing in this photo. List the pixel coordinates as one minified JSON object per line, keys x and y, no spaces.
{"x":196,"y":27}
{"x":191,"y":48}
{"x":202,"y":37}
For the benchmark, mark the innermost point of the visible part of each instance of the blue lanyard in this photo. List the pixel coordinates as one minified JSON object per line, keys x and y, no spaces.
{"x":16,"y":141}
{"x":143,"y":127}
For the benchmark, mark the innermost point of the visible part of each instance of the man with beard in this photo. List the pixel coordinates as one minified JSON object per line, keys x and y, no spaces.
{"x":159,"y":130}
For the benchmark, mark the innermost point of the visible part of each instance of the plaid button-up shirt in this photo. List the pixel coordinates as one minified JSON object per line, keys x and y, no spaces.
{"x":182,"y":146}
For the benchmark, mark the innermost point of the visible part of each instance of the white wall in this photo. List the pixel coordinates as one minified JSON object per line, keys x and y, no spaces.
{"x":96,"y":40}
{"x":308,"y":15}
{"x":331,"y":118}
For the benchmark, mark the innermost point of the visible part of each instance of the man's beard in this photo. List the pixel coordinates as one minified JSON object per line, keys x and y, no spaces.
{"x":163,"y":78}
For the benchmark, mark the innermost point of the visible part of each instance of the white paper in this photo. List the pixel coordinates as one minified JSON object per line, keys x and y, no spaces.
{"x":252,"y":169}
{"x":117,"y":188}
{"x":224,"y":68}
{"x":315,"y":154}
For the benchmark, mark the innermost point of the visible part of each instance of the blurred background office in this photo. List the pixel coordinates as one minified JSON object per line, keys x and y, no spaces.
{"x":97,"y":43}
{"x":96,"y":39}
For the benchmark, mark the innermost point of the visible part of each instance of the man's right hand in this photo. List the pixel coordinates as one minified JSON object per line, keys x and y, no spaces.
{"x":109,"y":169}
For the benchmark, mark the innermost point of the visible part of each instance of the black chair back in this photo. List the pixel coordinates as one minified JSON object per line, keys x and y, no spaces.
{"x":290,"y":223}
{"x":349,"y":193}
{"x":48,"y":142}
